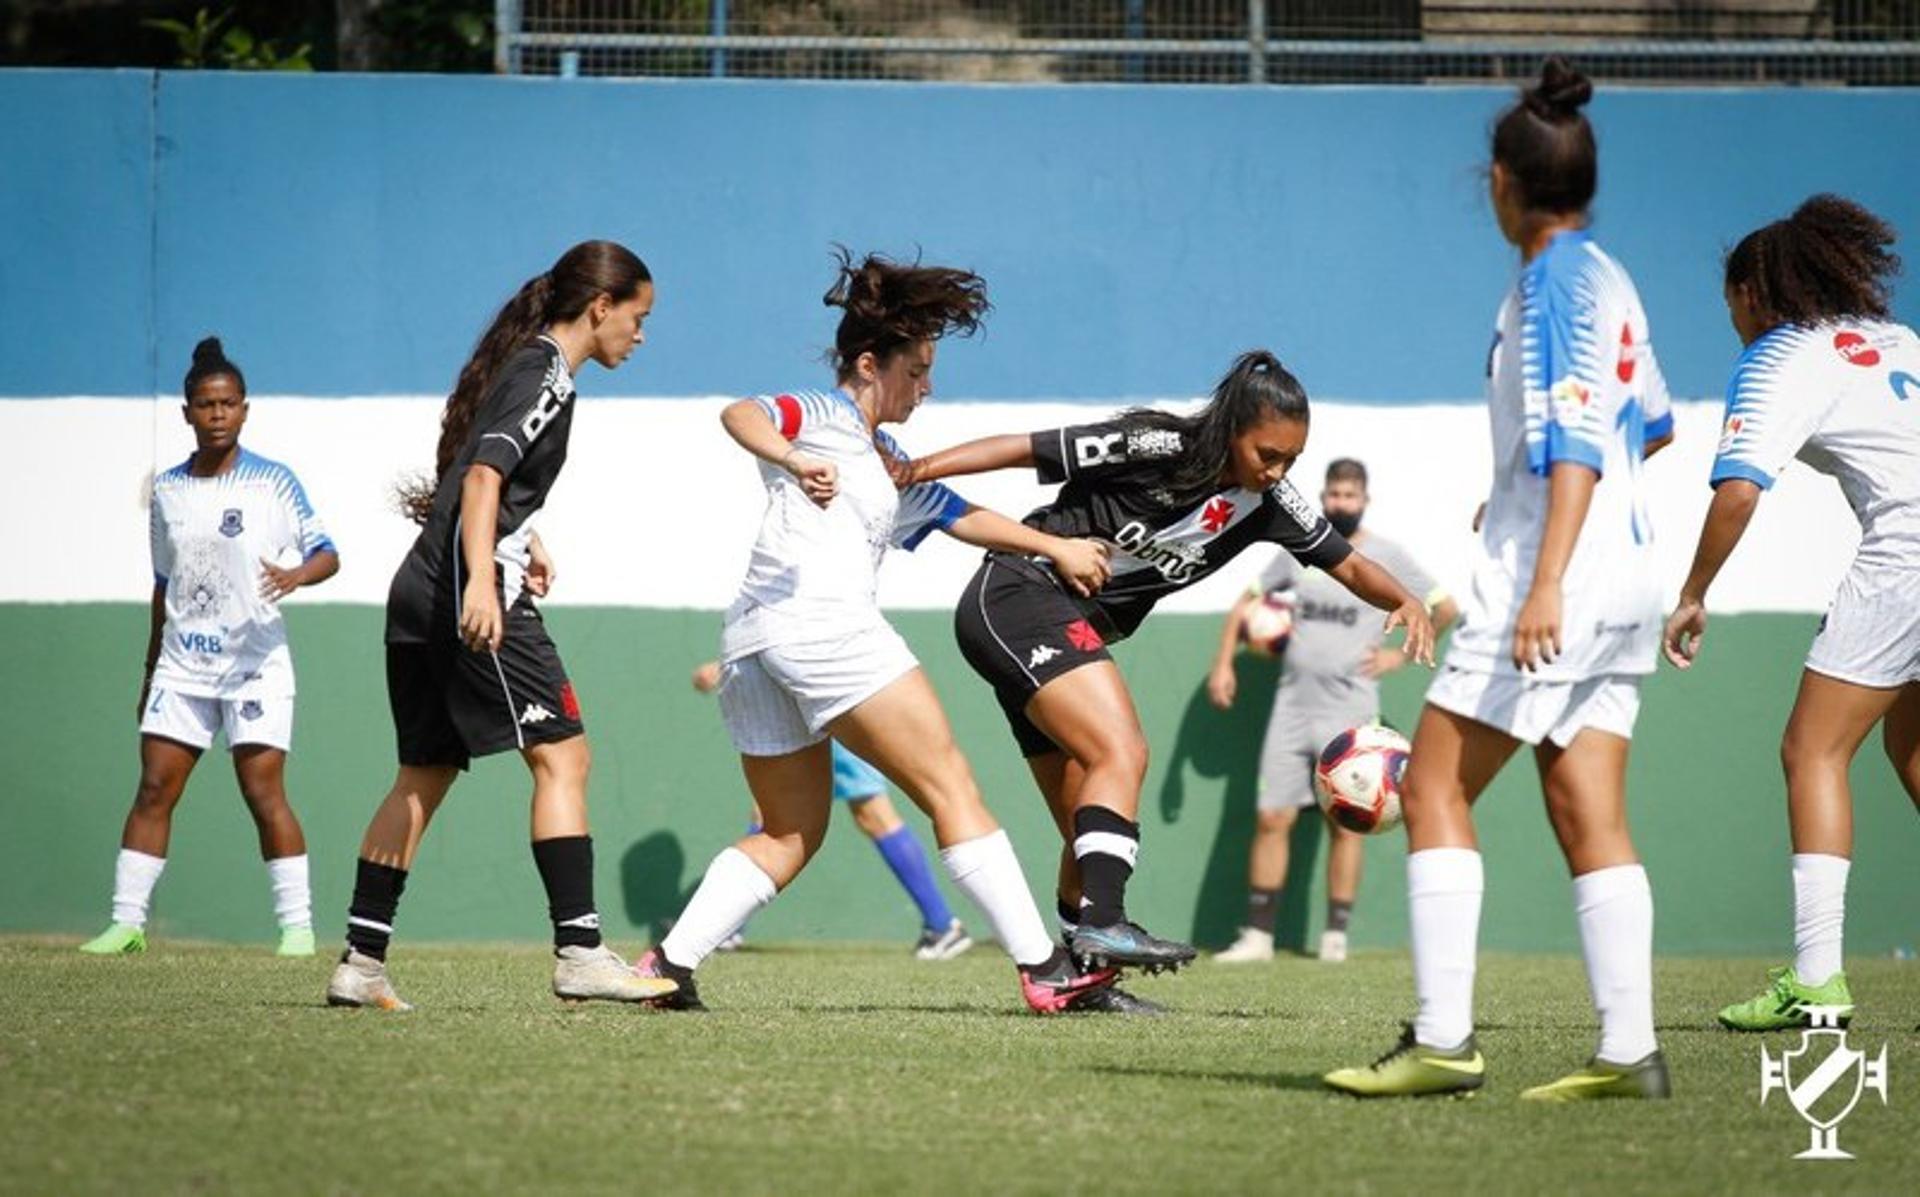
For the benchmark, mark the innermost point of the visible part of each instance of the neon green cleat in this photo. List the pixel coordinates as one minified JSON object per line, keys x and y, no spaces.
{"x":1411,"y":1070}
{"x":1781,"y":1005}
{"x":1646,"y":1078}
{"x":295,"y":941}
{"x":117,"y":940}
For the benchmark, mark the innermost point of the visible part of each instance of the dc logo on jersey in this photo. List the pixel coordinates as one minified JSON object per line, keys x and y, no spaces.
{"x":251,"y":709}
{"x":1094,"y":450}
{"x":1905,"y":386}
{"x":230,"y":524}
{"x":1854,"y":347}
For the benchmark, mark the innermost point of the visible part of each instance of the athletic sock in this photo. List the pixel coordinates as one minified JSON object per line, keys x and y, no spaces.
{"x":566,"y":869}
{"x":1106,"y":843}
{"x":292,"y":895}
{"x":134,"y":876}
{"x":733,"y":889}
{"x":1263,"y":905}
{"x":901,"y":849}
{"x":1443,"y":904}
{"x":1068,"y":913}
{"x":987,"y":871}
{"x":1819,"y":915}
{"x":1615,"y":909}
{"x":376,"y":896}
{"x":1339,"y":914}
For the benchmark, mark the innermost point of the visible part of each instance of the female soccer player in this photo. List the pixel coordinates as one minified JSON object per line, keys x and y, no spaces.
{"x":470,"y":668}
{"x":225,"y":522}
{"x":807,"y":655}
{"x":1329,"y":682}
{"x":1830,"y":379}
{"x":1560,"y":624}
{"x":1177,"y":497}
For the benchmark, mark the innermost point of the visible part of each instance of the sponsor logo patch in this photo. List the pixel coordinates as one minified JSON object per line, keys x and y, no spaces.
{"x":1731,"y":432}
{"x":1041,"y":655}
{"x":1629,"y":355}
{"x":1854,"y":347}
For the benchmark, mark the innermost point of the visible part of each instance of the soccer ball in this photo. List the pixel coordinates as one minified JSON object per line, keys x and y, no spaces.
{"x":1269,"y":624}
{"x":1358,"y":775}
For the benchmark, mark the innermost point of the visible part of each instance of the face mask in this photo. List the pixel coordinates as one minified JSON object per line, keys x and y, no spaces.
{"x":1344,"y":522}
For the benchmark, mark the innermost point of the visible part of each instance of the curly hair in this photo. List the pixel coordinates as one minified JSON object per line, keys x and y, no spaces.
{"x":886,"y":305}
{"x":1830,"y":260}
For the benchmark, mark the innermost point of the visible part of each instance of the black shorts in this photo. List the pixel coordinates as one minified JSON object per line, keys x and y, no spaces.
{"x":451,"y":704}
{"x":1020,"y":629}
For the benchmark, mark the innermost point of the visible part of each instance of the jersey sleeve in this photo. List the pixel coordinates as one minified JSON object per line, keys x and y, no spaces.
{"x":792,"y":414}
{"x":1767,"y":420}
{"x":160,"y":547}
{"x":309,"y":535}
{"x":1566,"y":401}
{"x":522,"y":404}
{"x":1089,"y":450}
{"x":925,"y":508}
{"x":1279,"y":575}
{"x":1299,"y":528}
{"x":1656,"y":403}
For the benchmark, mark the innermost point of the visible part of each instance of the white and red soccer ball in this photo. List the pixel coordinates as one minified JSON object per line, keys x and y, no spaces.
{"x":1269,"y":624}
{"x":1357,"y":778}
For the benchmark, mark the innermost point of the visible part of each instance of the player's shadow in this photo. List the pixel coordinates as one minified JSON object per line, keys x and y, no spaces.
{"x":650,"y":883}
{"x":1297,"y":1081}
{"x":1225,"y":745}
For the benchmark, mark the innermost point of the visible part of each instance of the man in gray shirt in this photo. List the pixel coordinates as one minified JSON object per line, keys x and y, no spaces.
{"x":1329,"y":682}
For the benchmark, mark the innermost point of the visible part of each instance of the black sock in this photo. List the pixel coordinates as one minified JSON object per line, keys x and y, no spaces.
{"x":376,"y":896}
{"x":566,"y":869}
{"x":1339,"y":914}
{"x":1068,"y":913}
{"x":1106,"y":844}
{"x":1262,"y":906}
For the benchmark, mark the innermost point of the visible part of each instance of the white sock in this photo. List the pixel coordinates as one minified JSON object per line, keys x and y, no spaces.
{"x":987,"y":871}
{"x":134,"y":876}
{"x":733,"y":889}
{"x":1819,"y":915}
{"x":292,"y":897}
{"x":1615,"y":908}
{"x":1443,"y":905}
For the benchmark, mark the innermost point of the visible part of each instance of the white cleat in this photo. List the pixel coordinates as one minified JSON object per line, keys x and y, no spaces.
{"x":362,"y":981}
{"x":1333,"y":947}
{"x":1253,"y":947}
{"x":942,"y":945}
{"x":598,"y":974}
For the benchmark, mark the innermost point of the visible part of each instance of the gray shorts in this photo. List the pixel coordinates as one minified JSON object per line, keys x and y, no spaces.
{"x":1295,"y":736}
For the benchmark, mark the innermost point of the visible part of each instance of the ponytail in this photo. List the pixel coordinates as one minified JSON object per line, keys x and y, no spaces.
{"x":1832,"y":259}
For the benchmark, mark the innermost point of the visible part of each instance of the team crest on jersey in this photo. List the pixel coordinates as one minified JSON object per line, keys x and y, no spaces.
{"x":1217,"y":514}
{"x":1082,"y":636}
{"x":251,"y":709}
{"x":1571,"y":398}
{"x":230,"y":524}
{"x":1731,"y":432}
{"x":1854,"y":347}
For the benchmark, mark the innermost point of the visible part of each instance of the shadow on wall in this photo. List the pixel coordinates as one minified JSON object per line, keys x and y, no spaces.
{"x":1225,"y":746}
{"x":650,"y":882}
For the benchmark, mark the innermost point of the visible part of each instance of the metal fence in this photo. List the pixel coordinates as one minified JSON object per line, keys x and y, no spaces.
{"x":1824,"y":42}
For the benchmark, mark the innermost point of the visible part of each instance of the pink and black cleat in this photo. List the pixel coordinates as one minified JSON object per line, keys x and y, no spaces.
{"x":1059,"y":985}
{"x":653,"y":964}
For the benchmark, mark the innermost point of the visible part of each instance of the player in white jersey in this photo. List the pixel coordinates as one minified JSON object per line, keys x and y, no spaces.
{"x":1828,"y":379}
{"x":1557,"y":629}
{"x":233,"y":534}
{"x":806,"y":653}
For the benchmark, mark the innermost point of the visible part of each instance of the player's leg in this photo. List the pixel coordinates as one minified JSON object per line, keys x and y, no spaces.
{"x":165,"y":765}
{"x":1345,"y":852}
{"x":942,"y":936}
{"x":260,"y":769}
{"x":1266,"y":877}
{"x":1900,"y":735}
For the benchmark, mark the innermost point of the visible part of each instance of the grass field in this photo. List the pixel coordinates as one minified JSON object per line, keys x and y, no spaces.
{"x":199,"y":1068}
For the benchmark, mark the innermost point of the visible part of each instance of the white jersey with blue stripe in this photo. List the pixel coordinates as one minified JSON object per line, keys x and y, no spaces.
{"x":210,"y":535}
{"x":815,"y":570}
{"x":1571,"y":378}
{"x":1844,"y":398}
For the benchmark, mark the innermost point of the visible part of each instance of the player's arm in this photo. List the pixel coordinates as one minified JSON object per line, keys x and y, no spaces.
{"x":1081,"y":564}
{"x":1734,"y":502}
{"x":974,"y":457}
{"x":481,"y":625}
{"x":1367,"y":580}
{"x":752,"y":428}
{"x":1536,"y":631}
{"x":1386,"y":658}
{"x":1222,"y":682}
{"x":277,"y":583}
{"x":540,"y":568}
{"x":156,"y":627}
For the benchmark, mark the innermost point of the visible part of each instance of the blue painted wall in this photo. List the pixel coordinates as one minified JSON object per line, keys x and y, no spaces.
{"x":350,"y":235}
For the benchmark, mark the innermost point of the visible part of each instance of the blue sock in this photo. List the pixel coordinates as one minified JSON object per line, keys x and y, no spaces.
{"x":903,"y":854}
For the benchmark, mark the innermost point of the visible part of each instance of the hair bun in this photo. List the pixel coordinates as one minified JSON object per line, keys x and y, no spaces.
{"x":209,"y":350}
{"x":1562,"y":91}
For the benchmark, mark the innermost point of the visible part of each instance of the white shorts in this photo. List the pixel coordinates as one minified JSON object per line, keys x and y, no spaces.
{"x":1871,"y":633}
{"x":780,"y":699}
{"x":194,"y":720}
{"x":1531,"y":710}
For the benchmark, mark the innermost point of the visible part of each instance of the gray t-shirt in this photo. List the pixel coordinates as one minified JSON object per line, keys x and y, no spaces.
{"x":1334,"y":631}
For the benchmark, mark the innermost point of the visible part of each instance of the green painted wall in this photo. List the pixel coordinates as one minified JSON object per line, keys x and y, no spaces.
{"x":1708,"y":806}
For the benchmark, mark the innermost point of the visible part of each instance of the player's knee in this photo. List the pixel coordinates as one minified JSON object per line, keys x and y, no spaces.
{"x":1277,"y":822}
{"x":1123,"y":756}
{"x":156,"y":794}
{"x":263,"y":797}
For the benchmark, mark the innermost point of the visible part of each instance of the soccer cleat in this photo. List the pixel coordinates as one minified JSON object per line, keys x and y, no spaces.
{"x":685,"y":995}
{"x":118,"y":939}
{"x":1333,"y":947}
{"x":1060,"y":985}
{"x":1126,"y":944}
{"x":1411,"y":1070}
{"x":1781,"y":1005}
{"x":942,"y":945}
{"x":295,"y":941}
{"x":1253,"y":947}
{"x":598,"y":974}
{"x":360,"y":980}
{"x":1646,"y":1078}
{"x":1111,"y":999}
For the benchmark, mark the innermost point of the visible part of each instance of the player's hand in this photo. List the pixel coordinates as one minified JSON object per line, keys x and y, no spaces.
{"x":277,"y":583}
{"x":1480,"y":515}
{"x":1081,"y":564}
{"x":819,"y":480}
{"x":1536,"y":633}
{"x":1223,"y":684}
{"x":904,"y":471}
{"x":481,"y":626}
{"x":1382,"y":661}
{"x":1413,"y":616}
{"x":1686,"y":632}
{"x":706,"y":677}
{"x":540,"y":569}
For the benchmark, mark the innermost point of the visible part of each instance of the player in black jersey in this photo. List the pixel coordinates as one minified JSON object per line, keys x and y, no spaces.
{"x":1176,"y":497}
{"x":470,"y":668}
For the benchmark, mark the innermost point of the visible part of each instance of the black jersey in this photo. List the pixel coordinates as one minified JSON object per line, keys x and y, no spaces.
{"x":521,"y":430}
{"x":1116,"y":479}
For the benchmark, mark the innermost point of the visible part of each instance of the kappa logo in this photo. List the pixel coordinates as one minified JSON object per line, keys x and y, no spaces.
{"x":1823,"y":1079}
{"x":535,"y":713}
{"x":1854,"y":347}
{"x":230,"y":524}
{"x":1041,"y":655}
